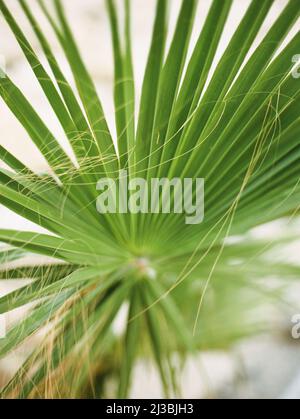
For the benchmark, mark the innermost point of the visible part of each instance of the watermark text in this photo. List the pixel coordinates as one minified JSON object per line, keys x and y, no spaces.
{"x":2,"y":326}
{"x":296,"y":327}
{"x":296,"y":68}
{"x":2,"y":67}
{"x":166,"y":196}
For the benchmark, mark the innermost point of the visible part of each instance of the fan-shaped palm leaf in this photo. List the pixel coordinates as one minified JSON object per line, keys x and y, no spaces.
{"x":238,"y":130}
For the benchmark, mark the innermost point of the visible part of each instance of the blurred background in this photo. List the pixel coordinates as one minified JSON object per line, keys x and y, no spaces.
{"x":264,"y":366}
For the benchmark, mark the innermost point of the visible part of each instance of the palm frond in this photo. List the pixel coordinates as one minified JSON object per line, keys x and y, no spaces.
{"x":239,"y":130}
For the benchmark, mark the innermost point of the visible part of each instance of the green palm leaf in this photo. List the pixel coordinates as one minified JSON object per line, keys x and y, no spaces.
{"x":239,"y":130}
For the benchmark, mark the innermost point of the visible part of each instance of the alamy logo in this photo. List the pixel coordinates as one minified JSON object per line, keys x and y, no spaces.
{"x":2,"y":326}
{"x":137,"y":195}
{"x":296,"y":68}
{"x":296,"y":328}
